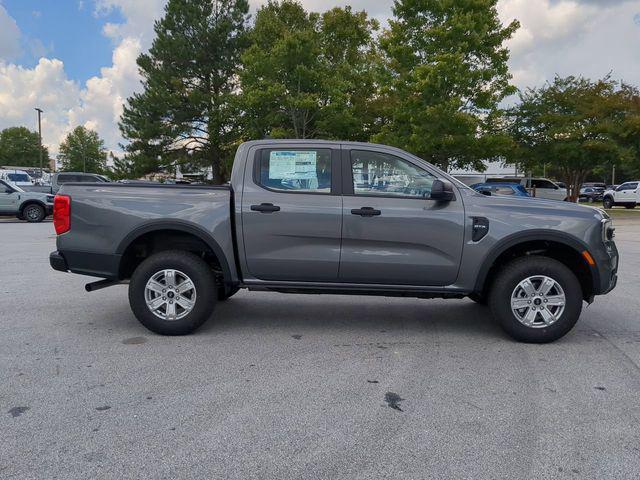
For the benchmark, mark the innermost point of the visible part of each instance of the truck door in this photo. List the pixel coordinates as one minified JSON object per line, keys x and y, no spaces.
{"x":393,"y":233}
{"x":292,"y":213}
{"x":8,"y":199}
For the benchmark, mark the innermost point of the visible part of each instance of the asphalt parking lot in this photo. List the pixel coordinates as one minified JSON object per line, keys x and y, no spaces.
{"x":321,"y":387}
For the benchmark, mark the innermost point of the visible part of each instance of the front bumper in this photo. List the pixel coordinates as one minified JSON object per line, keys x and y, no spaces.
{"x":608,"y":269}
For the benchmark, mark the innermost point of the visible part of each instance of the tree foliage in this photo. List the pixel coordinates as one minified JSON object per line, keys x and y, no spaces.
{"x":577,"y":125}
{"x":186,"y":113}
{"x":448,"y":68}
{"x":310,"y":75}
{"x":83,"y":151}
{"x":19,"y":147}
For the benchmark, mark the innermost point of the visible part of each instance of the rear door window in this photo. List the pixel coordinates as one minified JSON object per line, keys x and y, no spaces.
{"x":295,"y":170}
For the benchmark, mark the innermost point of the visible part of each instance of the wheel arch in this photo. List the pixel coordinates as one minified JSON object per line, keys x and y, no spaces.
{"x":26,"y":203}
{"x":558,"y":245}
{"x":170,"y":229}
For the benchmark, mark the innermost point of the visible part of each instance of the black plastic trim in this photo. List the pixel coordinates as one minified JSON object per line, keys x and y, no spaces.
{"x":534,"y":235}
{"x":182,"y":227}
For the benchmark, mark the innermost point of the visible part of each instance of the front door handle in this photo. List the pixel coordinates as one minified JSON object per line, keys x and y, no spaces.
{"x":265,"y":208}
{"x":366,"y":212}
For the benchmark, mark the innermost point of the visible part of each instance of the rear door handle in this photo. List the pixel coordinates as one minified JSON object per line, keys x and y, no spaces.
{"x":366,"y":212}
{"x":265,"y":208}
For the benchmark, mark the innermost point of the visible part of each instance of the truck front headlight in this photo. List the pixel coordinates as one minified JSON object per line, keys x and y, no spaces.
{"x":608,"y":232}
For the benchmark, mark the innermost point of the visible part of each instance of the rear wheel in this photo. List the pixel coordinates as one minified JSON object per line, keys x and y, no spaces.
{"x":630,"y":206}
{"x":172,"y":292}
{"x":536,"y":299}
{"x":33,"y":213}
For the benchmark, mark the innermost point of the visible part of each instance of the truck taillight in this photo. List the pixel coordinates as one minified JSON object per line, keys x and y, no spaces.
{"x":62,"y":213}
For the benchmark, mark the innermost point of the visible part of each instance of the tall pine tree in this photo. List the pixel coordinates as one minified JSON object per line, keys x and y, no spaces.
{"x":186,"y":112}
{"x":448,"y":65}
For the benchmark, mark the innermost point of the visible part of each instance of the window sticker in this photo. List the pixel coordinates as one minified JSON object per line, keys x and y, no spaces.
{"x":293,"y":165}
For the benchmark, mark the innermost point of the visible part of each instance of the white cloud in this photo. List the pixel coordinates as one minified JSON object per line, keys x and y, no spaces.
{"x":9,"y":36}
{"x":45,"y":86}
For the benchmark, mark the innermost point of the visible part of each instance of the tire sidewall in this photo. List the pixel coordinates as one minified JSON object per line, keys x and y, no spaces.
{"x":512,"y":275}
{"x":199,"y":273}
{"x":607,"y":203}
{"x":41,"y":213}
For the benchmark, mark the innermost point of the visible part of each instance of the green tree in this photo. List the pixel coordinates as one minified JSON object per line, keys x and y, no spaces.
{"x":121,"y":167}
{"x":83,"y":151}
{"x":19,"y":146}
{"x":448,"y":66}
{"x":310,"y":75}
{"x":187,"y":109}
{"x":576,"y":125}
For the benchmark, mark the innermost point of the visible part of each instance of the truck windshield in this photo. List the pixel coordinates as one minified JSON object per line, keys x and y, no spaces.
{"x":18,"y":177}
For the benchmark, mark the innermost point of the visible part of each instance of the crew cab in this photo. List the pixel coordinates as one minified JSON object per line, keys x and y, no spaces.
{"x":29,"y":206}
{"x":323,"y":217}
{"x":627,"y":195}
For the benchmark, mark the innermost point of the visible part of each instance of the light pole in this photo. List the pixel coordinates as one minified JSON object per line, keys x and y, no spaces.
{"x":40,"y":112}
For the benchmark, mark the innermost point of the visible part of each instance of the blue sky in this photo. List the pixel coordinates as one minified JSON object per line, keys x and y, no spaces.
{"x":76,"y":59}
{"x":65,"y":29}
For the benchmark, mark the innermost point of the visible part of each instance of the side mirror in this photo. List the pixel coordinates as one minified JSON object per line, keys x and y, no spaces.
{"x":8,"y":190}
{"x":442,"y":190}
{"x":486,"y":192}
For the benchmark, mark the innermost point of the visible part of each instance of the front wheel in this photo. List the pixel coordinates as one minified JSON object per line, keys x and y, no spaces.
{"x":536,"y":299}
{"x":33,"y":213}
{"x":172,"y":292}
{"x":607,"y":203}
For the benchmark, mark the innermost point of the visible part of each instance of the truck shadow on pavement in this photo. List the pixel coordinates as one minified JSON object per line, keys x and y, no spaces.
{"x":302,"y":314}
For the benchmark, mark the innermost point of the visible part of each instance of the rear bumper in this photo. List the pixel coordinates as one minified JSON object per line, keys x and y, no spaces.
{"x":86,"y":263}
{"x":58,"y":262}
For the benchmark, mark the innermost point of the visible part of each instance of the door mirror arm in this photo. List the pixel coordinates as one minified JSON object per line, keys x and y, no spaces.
{"x":442,"y":190}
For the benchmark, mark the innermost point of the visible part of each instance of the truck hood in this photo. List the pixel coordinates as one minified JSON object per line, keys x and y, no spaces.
{"x":535,"y":206}
{"x":43,"y":197}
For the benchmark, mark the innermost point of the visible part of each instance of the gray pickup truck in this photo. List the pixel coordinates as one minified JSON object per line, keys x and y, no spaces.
{"x":335,"y":218}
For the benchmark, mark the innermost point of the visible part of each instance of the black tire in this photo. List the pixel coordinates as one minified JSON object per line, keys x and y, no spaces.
{"x":517,"y":271}
{"x":478,"y":298}
{"x":223,"y":295}
{"x":608,"y":203}
{"x":33,"y":213}
{"x":630,"y":206}
{"x":590,"y":199}
{"x":198,"y":272}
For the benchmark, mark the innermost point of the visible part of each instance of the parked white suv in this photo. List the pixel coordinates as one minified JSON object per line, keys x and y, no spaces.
{"x":627,"y":194}
{"x":538,"y":187}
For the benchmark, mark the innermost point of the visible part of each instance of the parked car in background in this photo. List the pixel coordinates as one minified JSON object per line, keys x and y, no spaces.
{"x":538,"y":187}
{"x":59,"y":179}
{"x":627,"y":195}
{"x":591,"y":194}
{"x":29,"y":206}
{"x":16,"y":177}
{"x":321,"y":217}
{"x":513,"y":189}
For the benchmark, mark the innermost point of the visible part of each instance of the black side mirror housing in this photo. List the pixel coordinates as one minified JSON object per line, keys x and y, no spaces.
{"x":486,"y":192}
{"x":442,"y":190}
